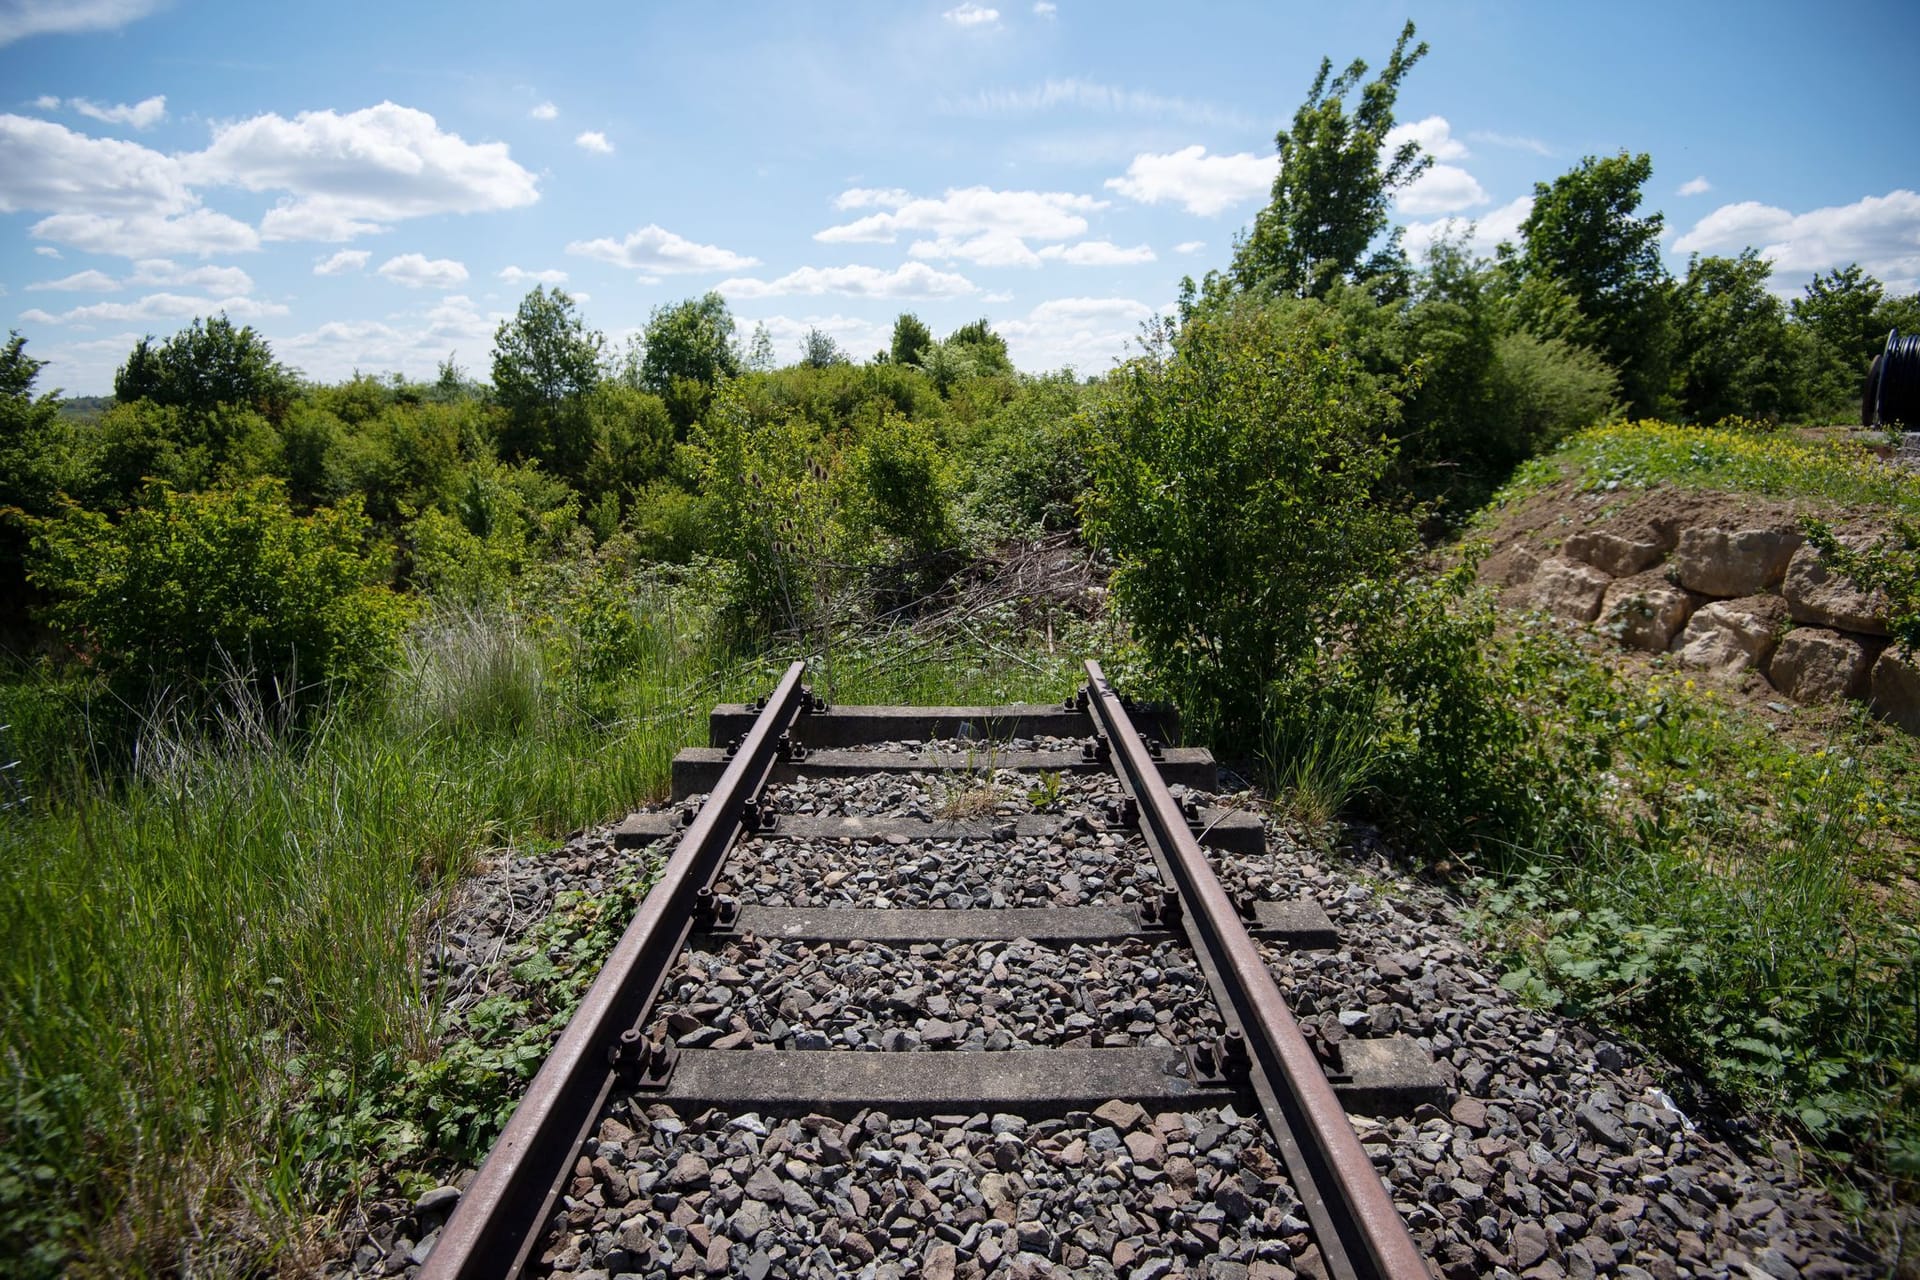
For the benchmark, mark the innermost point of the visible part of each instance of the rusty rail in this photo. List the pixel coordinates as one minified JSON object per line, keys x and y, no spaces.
{"x":503,"y":1215}
{"x":1361,"y":1235}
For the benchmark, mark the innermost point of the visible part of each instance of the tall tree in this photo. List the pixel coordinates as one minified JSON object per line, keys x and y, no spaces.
{"x":208,"y":365}
{"x":986,"y":349}
{"x":546,"y":362}
{"x":820,"y":351}
{"x":1330,"y":197}
{"x":910,"y":339}
{"x":1584,"y":238}
{"x":689,"y":352}
{"x":1736,"y":353}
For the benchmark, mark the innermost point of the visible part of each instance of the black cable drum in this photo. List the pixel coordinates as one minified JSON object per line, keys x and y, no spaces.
{"x":1892,"y":394}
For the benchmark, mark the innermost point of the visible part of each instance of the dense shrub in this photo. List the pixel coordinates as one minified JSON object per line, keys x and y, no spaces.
{"x":187,"y":588}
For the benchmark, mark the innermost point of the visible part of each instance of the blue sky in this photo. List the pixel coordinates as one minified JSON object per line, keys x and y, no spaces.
{"x":374,"y":186}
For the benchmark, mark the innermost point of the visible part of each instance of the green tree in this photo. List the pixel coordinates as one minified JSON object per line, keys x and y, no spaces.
{"x":1585,"y":237}
{"x":986,"y":349}
{"x":206,"y":366}
{"x":35,"y":465}
{"x":1330,"y":197}
{"x":1737,"y":354}
{"x":688,"y":353}
{"x":910,"y":338}
{"x":1236,"y":482}
{"x":546,"y":362}
{"x":759,"y":357}
{"x":1843,"y":312}
{"x":820,"y":351}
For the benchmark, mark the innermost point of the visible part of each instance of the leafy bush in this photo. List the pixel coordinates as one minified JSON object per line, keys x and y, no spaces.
{"x":1890,"y":564}
{"x":899,"y":485}
{"x":1236,"y":483}
{"x":1028,"y":460}
{"x":189,"y":586}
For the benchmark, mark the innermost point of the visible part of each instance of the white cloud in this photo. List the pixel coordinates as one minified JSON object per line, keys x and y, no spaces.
{"x":1098,"y":253}
{"x":159,"y":272}
{"x":1045,"y":8}
{"x":1443,"y":188}
{"x":46,"y":102}
{"x":594,"y":140}
{"x":545,"y":111}
{"x":163,"y":306}
{"x":1483,"y":234}
{"x":143,"y":114}
{"x":1087,"y":95}
{"x":1512,"y":142}
{"x":1881,"y":233}
{"x":342,"y":262}
{"x":1696,"y":186}
{"x":412,"y":343}
{"x":1086,"y":333}
{"x":514,"y":275}
{"x":1434,"y":135}
{"x":653,"y":249}
{"x":911,"y":280}
{"x":22,"y":18}
{"x":49,"y":167}
{"x":47,"y":251}
{"x":1204,"y":184}
{"x":972,"y":224}
{"x":201,"y":232}
{"x":970,"y":14}
{"x":351,"y":174}
{"x":1190,"y":246}
{"x":417,"y":271}
{"x":79,"y":282}
{"x":858,"y":338}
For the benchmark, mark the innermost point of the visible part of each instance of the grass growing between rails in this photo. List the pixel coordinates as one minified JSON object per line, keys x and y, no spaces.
{"x":213,"y":1021}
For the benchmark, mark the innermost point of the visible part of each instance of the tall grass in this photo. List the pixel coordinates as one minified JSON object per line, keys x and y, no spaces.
{"x":188,"y":944}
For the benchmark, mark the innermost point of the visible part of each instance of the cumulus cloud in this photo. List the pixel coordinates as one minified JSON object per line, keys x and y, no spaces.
{"x":515,"y":275}
{"x":1696,"y":186}
{"x":857,"y":337}
{"x":351,"y":174}
{"x":162,"y":306}
{"x":411,"y":343}
{"x":79,"y":282}
{"x":49,"y":167}
{"x":1443,"y":188}
{"x":1190,"y":246}
{"x":202,"y":233}
{"x":156,"y":272}
{"x":143,"y":114}
{"x":972,"y":224}
{"x":1201,"y":183}
{"x":47,"y":251}
{"x":594,"y":140}
{"x":1045,"y":8}
{"x":417,"y":271}
{"x":1434,"y":135}
{"x":655,"y":250}
{"x":911,"y":280}
{"x":1483,"y":235}
{"x":545,"y":111}
{"x":1881,"y":233}
{"x":22,"y":18}
{"x":342,"y":262}
{"x":1072,"y":93}
{"x":1098,"y":253}
{"x":972,"y":15}
{"x":1085,"y":333}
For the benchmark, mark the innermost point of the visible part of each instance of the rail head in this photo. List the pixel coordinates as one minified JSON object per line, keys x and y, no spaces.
{"x":1370,"y":1240}
{"x":502,"y":1214}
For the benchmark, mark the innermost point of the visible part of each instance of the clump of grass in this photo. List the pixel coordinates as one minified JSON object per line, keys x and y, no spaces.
{"x":470,"y":669}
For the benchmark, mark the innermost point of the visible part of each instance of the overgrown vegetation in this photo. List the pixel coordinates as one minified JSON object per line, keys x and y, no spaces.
{"x":301,"y":655}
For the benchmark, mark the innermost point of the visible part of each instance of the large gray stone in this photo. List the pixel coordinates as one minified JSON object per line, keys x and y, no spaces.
{"x":1815,"y":594}
{"x":1733,"y":562}
{"x":1896,"y":689}
{"x":1620,"y":553}
{"x":1569,"y":588}
{"x":1645,"y":613}
{"x":1814,"y":664}
{"x":1729,"y":638}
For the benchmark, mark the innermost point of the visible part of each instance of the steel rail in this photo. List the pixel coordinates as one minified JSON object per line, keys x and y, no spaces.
{"x":1361,"y":1235}
{"x":503,"y":1215}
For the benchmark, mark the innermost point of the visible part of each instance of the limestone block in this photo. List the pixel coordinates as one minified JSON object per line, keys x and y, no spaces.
{"x":1523,"y":562}
{"x":1620,"y":554}
{"x":1814,"y":664}
{"x":1728,"y":638}
{"x":1815,"y":595}
{"x":1645,"y":613}
{"x":1733,"y":562}
{"x":1896,"y":688}
{"x":1569,"y":588}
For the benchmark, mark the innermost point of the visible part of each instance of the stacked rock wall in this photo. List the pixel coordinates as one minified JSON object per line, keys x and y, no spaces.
{"x":1737,"y":604}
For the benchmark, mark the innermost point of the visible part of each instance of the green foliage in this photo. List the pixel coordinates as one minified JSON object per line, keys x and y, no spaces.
{"x":898,"y":477}
{"x":1584,"y":237}
{"x":205,"y":366}
{"x":1027,"y":461}
{"x":910,"y":339}
{"x":1737,"y":355}
{"x":670,"y":524}
{"x":546,"y":363}
{"x":688,"y":353}
{"x":632,"y":439}
{"x":188,"y":587}
{"x":985,"y":350}
{"x":1330,"y":197}
{"x":819,"y":351}
{"x":36,"y":462}
{"x":507,"y":520}
{"x":1236,"y":483}
{"x":1890,"y":563}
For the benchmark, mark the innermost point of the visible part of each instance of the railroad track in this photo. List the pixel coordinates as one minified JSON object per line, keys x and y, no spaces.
{"x":1135,"y":1087}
